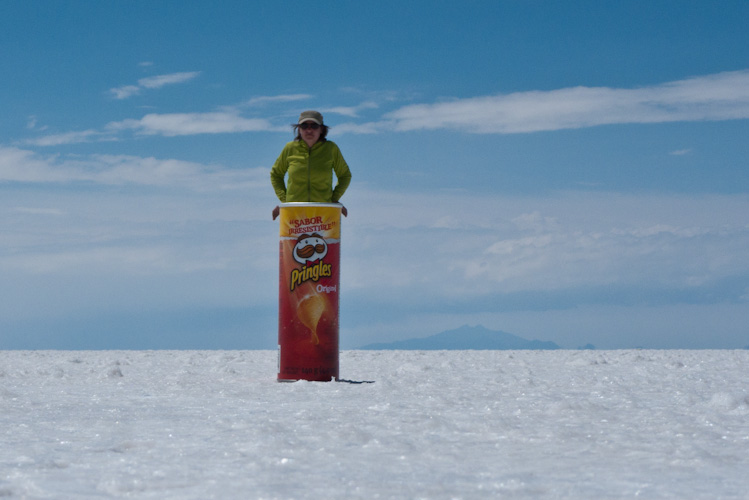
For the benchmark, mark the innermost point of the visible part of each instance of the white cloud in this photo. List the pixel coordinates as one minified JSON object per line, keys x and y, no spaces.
{"x":125,"y":91}
{"x":167,"y":124}
{"x":203,"y":233}
{"x":69,"y":138}
{"x":176,"y":124}
{"x":195,"y":235}
{"x":152,"y":82}
{"x":528,"y":245}
{"x":351,"y":111}
{"x":156,"y":82}
{"x":723,"y":96}
{"x":262,"y":100}
{"x":123,"y":169}
{"x":18,"y":165}
{"x":363,"y":128}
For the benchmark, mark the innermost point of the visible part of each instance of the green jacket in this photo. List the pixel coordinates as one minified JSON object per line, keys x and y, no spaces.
{"x":310,"y":173}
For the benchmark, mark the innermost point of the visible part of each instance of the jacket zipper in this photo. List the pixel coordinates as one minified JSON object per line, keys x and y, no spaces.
{"x":309,"y":175}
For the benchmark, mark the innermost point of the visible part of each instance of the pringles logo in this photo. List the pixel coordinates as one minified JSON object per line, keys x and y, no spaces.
{"x":309,"y":251}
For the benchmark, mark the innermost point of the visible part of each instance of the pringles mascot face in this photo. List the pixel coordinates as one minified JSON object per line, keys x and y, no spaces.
{"x":309,"y":249}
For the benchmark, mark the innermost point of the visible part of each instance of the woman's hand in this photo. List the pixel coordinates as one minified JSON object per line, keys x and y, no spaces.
{"x":277,"y":211}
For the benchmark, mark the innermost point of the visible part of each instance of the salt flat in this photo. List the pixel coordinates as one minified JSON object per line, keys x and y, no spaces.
{"x":439,"y":424}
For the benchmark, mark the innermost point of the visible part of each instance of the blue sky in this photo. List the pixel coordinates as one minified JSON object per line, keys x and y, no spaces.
{"x":566,"y":171}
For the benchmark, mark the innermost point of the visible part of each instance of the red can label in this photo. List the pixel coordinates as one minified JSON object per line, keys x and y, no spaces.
{"x":309,"y":256}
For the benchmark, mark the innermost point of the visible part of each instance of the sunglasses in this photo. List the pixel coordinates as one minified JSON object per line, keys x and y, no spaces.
{"x":306,"y":125}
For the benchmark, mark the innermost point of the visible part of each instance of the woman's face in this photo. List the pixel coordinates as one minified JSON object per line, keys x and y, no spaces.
{"x":310,"y":134}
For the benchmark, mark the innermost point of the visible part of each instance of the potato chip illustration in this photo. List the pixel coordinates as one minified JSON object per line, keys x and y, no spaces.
{"x":309,"y":311}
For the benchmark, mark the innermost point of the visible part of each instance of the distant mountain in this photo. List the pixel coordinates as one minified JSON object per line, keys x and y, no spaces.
{"x":465,"y":338}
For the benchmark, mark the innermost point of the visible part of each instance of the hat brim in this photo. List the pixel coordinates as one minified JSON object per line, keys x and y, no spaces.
{"x":309,"y":120}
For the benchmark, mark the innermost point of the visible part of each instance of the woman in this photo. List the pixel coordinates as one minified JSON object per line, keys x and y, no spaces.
{"x":310,"y":161}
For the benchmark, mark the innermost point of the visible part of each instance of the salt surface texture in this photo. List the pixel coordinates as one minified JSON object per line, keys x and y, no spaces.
{"x":440,"y":424}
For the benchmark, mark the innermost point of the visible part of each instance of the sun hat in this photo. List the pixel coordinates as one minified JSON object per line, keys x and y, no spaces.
{"x":310,"y":116}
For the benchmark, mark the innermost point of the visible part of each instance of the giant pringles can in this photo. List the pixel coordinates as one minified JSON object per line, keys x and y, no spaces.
{"x":309,"y":264}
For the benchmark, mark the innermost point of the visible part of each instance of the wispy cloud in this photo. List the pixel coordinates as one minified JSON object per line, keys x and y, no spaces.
{"x":263,"y":100}
{"x":152,"y":82}
{"x":363,"y":128}
{"x":570,"y":244}
{"x":681,"y":152}
{"x":167,"y":124}
{"x":125,"y":91}
{"x":68,"y":138}
{"x":176,"y":124}
{"x":19,"y":165}
{"x":33,"y":124}
{"x":352,"y":111}
{"x":155,"y":82}
{"x":722,"y":96}
{"x":200,"y":233}
{"x":464,"y":246}
{"x":195,"y":225}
